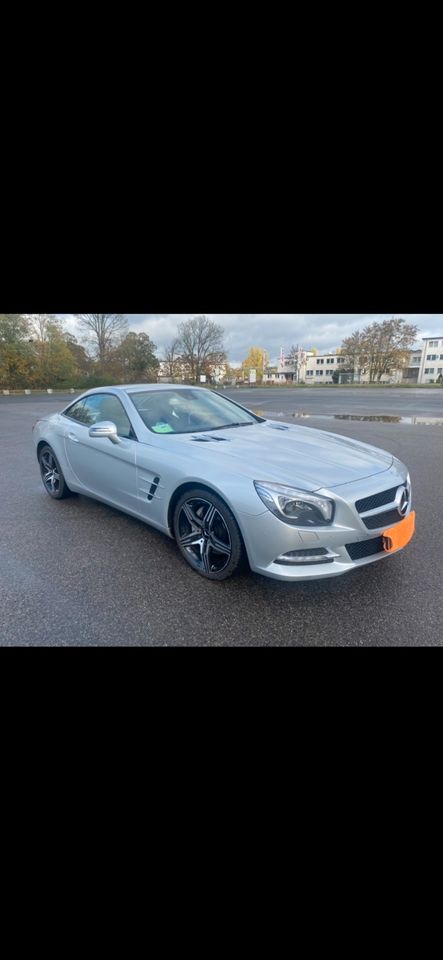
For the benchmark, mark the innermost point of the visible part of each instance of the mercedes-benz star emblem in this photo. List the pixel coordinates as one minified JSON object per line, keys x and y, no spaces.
{"x":403,"y":502}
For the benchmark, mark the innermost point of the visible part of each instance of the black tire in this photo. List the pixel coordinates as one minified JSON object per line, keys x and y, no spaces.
{"x":207,"y":534}
{"x":52,"y":475}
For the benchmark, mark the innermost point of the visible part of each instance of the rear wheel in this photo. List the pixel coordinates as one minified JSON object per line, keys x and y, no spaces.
{"x":51,"y":473}
{"x":207,"y":534}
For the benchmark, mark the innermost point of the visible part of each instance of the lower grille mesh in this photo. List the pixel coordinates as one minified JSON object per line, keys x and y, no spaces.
{"x":366,"y":548}
{"x":382,"y":520}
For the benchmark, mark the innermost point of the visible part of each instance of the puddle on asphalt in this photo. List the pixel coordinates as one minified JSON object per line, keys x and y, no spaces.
{"x":300,"y":415}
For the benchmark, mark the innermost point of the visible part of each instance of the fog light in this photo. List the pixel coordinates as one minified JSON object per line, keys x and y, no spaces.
{"x":313,"y":555}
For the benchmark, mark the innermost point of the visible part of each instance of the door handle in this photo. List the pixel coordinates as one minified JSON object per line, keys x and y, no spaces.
{"x":73,"y":437}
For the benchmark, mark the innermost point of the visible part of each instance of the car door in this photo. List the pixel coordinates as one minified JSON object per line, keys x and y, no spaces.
{"x":103,"y":468}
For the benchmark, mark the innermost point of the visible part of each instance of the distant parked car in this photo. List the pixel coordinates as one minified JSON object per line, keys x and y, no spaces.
{"x":227,"y":484}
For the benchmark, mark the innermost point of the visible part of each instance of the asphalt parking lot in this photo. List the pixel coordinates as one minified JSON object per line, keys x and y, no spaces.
{"x":76,"y":572}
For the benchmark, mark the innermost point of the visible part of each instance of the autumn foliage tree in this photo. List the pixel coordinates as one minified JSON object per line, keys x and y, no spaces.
{"x":36,"y":351}
{"x":16,"y":357}
{"x":84,"y":367}
{"x":256,"y":360}
{"x":53,"y":361}
{"x":379,"y":348}
{"x":136,"y":357}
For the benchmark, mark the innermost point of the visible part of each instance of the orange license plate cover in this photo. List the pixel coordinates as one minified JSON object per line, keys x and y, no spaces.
{"x":397,"y":537}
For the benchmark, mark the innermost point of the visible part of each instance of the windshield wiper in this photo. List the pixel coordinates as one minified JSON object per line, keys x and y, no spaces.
{"x":244,"y":423}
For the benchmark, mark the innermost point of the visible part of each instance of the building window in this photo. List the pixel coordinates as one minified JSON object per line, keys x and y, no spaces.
{"x":319,"y":373}
{"x":429,"y":369}
{"x":330,"y":361}
{"x":320,"y":361}
{"x":431,"y":356}
{"x":433,"y":343}
{"x":309,"y":373}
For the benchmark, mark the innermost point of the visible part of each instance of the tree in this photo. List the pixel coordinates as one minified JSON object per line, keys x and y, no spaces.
{"x":388,"y":346}
{"x":14,"y":328}
{"x":172,"y":358}
{"x":103,"y":331}
{"x":354,"y":349}
{"x":137,"y":358}
{"x":256,"y":360}
{"x":214,"y":368}
{"x":53,"y":360}
{"x":83,"y":363}
{"x":15,"y":365}
{"x":296,"y":358}
{"x":15,"y":351}
{"x":231,"y":373}
{"x":200,"y":343}
{"x":380,"y":347}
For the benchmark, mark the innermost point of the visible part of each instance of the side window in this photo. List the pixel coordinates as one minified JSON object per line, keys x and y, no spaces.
{"x":105,"y":406}
{"x":76,"y":412}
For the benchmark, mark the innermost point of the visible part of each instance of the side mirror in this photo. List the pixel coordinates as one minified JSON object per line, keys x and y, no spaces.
{"x":104,"y":429}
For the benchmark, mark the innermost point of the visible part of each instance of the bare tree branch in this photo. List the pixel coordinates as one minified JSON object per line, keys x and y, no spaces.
{"x":172,"y":357}
{"x":103,"y":331}
{"x":200,"y":342}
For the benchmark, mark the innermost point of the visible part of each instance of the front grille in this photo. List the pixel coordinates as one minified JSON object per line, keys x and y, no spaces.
{"x":377,"y":500}
{"x":382,"y":520}
{"x":366,"y":548}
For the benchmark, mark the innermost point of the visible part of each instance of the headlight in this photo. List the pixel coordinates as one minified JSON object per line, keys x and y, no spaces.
{"x":295,"y":506}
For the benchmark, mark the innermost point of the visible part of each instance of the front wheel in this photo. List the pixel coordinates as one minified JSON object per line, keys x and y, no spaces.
{"x":207,"y":534}
{"x":51,"y":473}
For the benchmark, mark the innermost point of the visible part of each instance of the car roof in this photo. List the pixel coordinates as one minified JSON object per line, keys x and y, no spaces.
{"x":138,"y":387}
{"x":142,"y":387}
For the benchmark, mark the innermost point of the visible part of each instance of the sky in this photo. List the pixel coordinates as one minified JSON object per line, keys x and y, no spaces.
{"x":270,"y":331}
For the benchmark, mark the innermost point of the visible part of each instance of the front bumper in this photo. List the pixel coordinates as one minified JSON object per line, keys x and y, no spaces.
{"x":349,"y":541}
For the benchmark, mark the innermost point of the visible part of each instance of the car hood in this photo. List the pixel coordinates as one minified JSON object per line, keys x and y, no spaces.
{"x":289,"y":454}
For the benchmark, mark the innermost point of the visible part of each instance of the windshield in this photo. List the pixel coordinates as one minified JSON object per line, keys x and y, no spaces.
{"x":189,"y":411}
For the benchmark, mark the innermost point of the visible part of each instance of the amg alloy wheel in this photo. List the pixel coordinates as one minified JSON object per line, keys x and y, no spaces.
{"x":52,"y":476}
{"x":207,"y":534}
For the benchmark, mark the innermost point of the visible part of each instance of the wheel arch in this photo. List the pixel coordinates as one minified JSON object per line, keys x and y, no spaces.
{"x":40,"y":445}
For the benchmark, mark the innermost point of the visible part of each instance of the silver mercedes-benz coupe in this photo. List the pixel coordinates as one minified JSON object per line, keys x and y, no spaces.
{"x":297,"y":503}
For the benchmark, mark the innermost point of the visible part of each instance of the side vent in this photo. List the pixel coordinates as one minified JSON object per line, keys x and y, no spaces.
{"x":153,"y":487}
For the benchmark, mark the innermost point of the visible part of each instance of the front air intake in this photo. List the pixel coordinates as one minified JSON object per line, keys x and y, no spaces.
{"x":312,"y":555}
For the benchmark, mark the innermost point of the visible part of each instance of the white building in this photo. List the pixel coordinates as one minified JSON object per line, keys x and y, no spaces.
{"x":424,"y":365}
{"x":307,"y":367}
{"x":218,"y":372}
{"x":431,"y":361}
{"x":411,"y":369}
{"x":290,"y":370}
{"x":319,"y":369}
